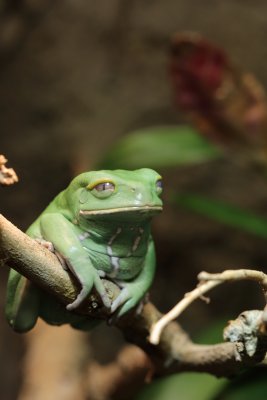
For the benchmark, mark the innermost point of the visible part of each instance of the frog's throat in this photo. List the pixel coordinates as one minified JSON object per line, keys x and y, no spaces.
{"x":142,"y":209}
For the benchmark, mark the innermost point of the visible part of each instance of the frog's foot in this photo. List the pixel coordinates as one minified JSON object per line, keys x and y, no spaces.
{"x":127,"y":300}
{"x":48,"y":245}
{"x":128,"y":305}
{"x":116,"y":304}
{"x":79,"y":299}
{"x":85,"y":292}
{"x":121,"y":299}
{"x":83,"y":295}
{"x":101,"y":273}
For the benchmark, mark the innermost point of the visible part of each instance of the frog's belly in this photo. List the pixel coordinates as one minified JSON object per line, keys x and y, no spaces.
{"x":124,"y":268}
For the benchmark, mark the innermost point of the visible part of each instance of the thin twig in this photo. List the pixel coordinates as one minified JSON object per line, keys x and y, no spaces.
{"x":236,"y":275}
{"x":179,"y":308}
{"x":207,"y":282}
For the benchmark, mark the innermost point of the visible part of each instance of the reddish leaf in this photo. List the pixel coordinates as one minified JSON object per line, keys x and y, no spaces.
{"x":224,"y":103}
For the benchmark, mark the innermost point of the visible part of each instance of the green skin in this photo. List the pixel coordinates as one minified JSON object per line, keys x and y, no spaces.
{"x":100,"y":227}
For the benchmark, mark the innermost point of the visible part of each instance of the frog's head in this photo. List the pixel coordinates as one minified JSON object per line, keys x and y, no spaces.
{"x":116,"y":194}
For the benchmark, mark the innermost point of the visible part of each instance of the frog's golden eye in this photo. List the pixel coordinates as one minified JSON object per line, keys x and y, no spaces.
{"x":102,"y":189}
{"x":159,"y":186}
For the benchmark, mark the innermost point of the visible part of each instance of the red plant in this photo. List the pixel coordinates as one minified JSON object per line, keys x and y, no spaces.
{"x":227,"y":105}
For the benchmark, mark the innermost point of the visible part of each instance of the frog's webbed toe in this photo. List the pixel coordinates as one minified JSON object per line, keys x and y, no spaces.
{"x":121,"y":299}
{"x":45,"y":243}
{"x":85,"y":292}
{"x":79,"y":299}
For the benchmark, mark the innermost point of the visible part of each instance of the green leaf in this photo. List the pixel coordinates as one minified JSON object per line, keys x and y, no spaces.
{"x":224,"y":213}
{"x":212,"y":333}
{"x":183,"y":386}
{"x":250,"y":385}
{"x":157,"y":147}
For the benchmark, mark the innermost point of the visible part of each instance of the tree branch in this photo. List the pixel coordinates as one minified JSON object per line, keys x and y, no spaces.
{"x":175,"y":351}
{"x":208,"y":282}
{"x":115,"y":380}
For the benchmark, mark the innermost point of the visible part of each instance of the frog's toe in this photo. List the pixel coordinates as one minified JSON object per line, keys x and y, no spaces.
{"x":79,"y":299}
{"x":126,"y":307}
{"x":103,"y":293}
{"x":101,"y":274}
{"x":121,"y":299}
{"x":45,"y":243}
{"x":106,"y":300}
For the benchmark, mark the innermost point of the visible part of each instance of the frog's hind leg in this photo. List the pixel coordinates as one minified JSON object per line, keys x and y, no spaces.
{"x":22,"y":305}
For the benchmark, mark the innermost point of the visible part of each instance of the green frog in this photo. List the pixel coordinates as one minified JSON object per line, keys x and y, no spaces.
{"x":99,"y":227}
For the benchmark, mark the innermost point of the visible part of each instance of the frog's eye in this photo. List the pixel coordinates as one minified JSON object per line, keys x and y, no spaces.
{"x":159,"y":186}
{"x":102,"y":189}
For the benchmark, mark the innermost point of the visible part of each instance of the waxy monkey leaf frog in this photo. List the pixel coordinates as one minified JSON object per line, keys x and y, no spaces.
{"x":100,"y":227}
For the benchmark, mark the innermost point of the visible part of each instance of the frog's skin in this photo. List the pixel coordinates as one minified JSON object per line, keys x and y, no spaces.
{"x":100,"y":226}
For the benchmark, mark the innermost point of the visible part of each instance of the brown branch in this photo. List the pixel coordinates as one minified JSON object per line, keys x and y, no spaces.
{"x":38,"y":264}
{"x":175,"y":351}
{"x":55,"y":373}
{"x":126,"y":374}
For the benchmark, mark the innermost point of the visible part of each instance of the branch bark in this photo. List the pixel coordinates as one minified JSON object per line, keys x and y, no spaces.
{"x":174,"y":353}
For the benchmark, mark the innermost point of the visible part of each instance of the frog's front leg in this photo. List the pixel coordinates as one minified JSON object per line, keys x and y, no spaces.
{"x":58,"y":230}
{"x":133,"y":291}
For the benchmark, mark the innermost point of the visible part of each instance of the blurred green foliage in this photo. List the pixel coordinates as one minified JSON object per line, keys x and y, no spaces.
{"x":184,"y":386}
{"x":251,"y":385}
{"x":224,"y":213}
{"x":159,"y":147}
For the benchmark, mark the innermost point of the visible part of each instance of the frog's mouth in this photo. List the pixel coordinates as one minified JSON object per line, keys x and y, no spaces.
{"x":137,"y":210}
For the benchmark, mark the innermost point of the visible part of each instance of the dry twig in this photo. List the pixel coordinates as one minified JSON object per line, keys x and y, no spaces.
{"x":7,"y":175}
{"x":207,"y":282}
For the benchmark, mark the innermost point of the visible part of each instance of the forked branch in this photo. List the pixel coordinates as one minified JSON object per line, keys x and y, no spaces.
{"x":207,"y":282}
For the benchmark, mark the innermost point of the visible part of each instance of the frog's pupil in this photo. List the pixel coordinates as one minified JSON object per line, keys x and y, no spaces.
{"x":104,"y":186}
{"x":159,"y":184}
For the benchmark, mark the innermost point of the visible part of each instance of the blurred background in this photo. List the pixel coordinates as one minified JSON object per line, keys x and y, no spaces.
{"x":76,"y":76}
